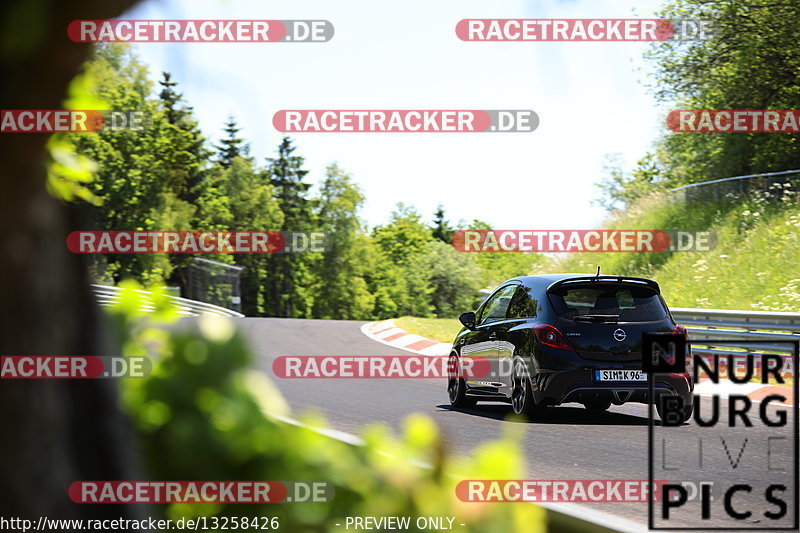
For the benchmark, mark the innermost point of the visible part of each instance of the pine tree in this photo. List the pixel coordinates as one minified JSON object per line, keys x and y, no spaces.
{"x":231,"y":146}
{"x":286,"y":290}
{"x":189,"y":154}
{"x":286,"y":175}
{"x":170,"y":98}
{"x":441,"y":226}
{"x":181,"y":163}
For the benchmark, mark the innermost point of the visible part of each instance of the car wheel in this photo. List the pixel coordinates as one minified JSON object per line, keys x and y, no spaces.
{"x":687,"y":412}
{"x":522,"y":401}
{"x":456,"y":386}
{"x":597,"y":407}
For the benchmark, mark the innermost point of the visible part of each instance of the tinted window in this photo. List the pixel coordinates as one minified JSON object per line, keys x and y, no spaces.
{"x":632,"y":304}
{"x":496,"y":306}
{"x":522,"y":305}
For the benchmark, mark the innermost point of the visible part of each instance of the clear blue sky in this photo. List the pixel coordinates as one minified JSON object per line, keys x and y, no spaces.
{"x":401,"y":55}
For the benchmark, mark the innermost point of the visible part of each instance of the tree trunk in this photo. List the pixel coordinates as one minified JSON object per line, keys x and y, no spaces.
{"x":55,"y":431}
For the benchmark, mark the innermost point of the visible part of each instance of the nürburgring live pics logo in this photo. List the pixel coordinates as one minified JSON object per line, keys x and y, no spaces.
{"x":747,"y":453}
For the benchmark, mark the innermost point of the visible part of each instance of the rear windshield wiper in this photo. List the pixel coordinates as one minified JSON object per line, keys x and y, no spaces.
{"x":597,"y":319}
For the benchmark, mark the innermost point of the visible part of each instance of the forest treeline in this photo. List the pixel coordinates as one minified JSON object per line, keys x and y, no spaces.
{"x":169,"y":176}
{"x":750,"y":61}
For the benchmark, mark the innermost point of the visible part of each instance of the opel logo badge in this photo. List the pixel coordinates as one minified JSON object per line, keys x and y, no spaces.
{"x":620,"y":335}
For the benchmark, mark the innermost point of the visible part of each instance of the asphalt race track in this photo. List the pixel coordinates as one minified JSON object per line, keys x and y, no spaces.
{"x":566,"y":443}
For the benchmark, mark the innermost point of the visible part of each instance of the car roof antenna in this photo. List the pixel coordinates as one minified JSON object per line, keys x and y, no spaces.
{"x":598,"y":272}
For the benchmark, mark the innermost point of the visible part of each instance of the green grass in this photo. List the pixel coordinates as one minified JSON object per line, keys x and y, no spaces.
{"x":440,"y":329}
{"x":787,"y":382}
{"x":755,"y":265}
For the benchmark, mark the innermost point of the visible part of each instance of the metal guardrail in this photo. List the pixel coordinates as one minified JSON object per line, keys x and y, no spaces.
{"x":736,"y":178}
{"x":107,"y":295}
{"x":757,"y":330}
{"x":772,"y":185}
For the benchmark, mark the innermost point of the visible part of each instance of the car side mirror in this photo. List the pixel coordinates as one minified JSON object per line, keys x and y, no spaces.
{"x":468,"y":319}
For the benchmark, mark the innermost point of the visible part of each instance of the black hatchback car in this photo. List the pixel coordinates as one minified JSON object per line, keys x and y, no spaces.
{"x":562,"y":338}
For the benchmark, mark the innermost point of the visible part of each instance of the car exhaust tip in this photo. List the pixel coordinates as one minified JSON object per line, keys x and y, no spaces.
{"x":621,"y":396}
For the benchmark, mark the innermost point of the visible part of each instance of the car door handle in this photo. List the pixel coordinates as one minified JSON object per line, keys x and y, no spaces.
{"x":492,"y":336}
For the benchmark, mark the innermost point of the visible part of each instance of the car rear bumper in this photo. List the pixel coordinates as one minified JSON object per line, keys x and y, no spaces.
{"x":554,"y":388}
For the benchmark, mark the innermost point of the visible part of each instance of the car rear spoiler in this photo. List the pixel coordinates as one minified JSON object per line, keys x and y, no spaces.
{"x":641,"y":282}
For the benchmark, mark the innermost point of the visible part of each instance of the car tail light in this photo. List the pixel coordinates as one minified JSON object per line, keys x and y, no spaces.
{"x":550,"y":336}
{"x":689,"y":373}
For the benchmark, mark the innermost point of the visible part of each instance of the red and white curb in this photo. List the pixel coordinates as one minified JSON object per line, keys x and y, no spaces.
{"x":755,"y":391}
{"x":386,"y":332}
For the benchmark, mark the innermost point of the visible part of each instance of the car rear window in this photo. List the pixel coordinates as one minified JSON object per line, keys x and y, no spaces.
{"x":632,"y":304}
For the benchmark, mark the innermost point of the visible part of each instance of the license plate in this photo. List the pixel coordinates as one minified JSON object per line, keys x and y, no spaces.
{"x":619,"y":375}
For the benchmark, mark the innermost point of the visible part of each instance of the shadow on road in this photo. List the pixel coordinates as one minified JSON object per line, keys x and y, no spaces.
{"x":553,"y":415}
